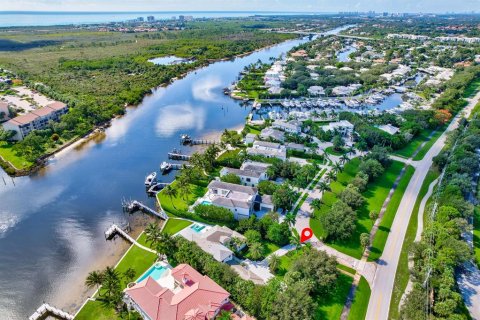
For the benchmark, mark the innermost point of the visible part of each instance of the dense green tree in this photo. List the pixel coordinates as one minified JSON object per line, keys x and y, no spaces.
{"x":339,"y":221}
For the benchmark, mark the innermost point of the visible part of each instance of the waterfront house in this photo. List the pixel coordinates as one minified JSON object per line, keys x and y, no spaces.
{"x":268,"y":150}
{"x":216,"y":241}
{"x":292,"y":126}
{"x":238,"y":199}
{"x":344,"y":127}
{"x":316,"y":91}
{"x":35,"y":120}
{"x":248,"y":177}
{"x":388,"y":128}
{"x":271,"y":133}
{"x":178,"y":293}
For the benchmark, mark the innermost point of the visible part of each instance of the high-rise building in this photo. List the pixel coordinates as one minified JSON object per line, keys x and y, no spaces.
{"x":150,"y":18}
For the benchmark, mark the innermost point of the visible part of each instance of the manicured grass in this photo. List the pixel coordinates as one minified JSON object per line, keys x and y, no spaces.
{"x":96,"y":310}
{"x":472,"y":88}
{"x":180,"y":203}
{"x":331,"y":150}
{"x":423,"y":151}
{"x":476,"y":234}
{"x":300,"y":203}
{"x":381,"y":236}
{"x":137,"y":259}
{"x":347,"y":269}
{"x":252,"y":129}
{"x":402,"y":275}
{"x":360,"y":301}
{"x":175,"y":225}
{"x":375,"y":195}
{"x":331,"y":307}
{"x":414,"y":144}
{"x":7,"y":153}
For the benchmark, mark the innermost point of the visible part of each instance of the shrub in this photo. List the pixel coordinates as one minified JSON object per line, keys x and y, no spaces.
{"x":214,"y":213}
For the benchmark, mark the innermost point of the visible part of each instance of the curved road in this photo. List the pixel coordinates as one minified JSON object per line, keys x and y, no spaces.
{"x":379,"y":304}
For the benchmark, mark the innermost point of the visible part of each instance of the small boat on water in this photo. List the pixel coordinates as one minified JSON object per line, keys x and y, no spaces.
{"x":165,"y":167}
{"x":151,"y":179}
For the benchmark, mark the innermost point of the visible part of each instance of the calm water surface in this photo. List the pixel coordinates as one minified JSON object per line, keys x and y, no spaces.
{"x":52,"y":223}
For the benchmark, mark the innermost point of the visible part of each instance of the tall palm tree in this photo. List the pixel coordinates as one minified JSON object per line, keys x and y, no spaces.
{"x":290,"y":218}
{"x":323,"y":186}
{"x":351,"y":150}
{"x":344,"y":158}
{"x":166,"y":245}
{"x":94,"y":279}
{"x":316,"y":204}
{"x":331,"y":175}
{"x":170,"y":192}
{"x":111,"y":282}
{"x":273,"y":263}
{"x":337,"y":167}
{"x":295,"y":240}
{"x":184,"y":187}
{"x":153,"y":233}
{"x":129,"y":274}
{"x":255,"y":250}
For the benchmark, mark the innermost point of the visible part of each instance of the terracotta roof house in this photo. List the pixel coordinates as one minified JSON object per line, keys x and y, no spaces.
{"x":193,"y":296}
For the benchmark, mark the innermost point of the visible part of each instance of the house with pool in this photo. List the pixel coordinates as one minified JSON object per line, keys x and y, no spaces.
{"x":163,"y":293}
{"x":250,"y":175}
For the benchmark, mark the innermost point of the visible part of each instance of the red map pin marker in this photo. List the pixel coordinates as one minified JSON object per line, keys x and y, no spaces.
{"x":307,"y":233}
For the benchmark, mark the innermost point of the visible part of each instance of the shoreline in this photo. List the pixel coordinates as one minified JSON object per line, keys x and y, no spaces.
{"x":42,"y":162}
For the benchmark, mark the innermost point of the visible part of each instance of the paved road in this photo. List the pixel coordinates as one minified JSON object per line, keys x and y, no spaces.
{"x":379,"y":304}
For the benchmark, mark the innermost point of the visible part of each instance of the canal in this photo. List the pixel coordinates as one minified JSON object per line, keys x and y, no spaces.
{"x":52,"y":223}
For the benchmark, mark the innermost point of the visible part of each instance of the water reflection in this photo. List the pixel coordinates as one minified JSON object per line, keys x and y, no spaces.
{"x":203,"y":89}
{"x":174,"y":118}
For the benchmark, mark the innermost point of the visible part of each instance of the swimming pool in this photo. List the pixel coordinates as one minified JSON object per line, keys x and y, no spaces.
{"x":155,"y":272}
{"x":206,"y":202}
{"x":197,"y":227}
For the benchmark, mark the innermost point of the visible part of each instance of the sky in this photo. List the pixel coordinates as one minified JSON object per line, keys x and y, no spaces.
{"x":243,"y":5}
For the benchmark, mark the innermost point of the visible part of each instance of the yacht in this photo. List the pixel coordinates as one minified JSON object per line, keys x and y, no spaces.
{"x":151,"y":179}
{"x":165,"y":167}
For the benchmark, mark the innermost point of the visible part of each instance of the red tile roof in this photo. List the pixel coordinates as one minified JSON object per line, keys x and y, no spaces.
{"x":42,"y":112}
{"x":24,"y":119}
{"x":199,"y":298}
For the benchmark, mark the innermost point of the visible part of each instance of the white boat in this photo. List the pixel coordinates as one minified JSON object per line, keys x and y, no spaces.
{"x":165,"y":167}
{"x":151,"y":179}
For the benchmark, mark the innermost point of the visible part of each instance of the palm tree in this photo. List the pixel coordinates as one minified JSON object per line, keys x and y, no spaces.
{"x":331,"y":176}
{"x":316,"y":204}
{"x":94,"y":279}
{"x":153,"y":233}
{"x":351,"y":150}
{"x":184,"y":187}
{"x":111,"y":282}
{"x":255,"y":250}
{"x":295,"y":240}
{"x":170,"y":192}
{"x":337,"y":167}
{"x":323,"y":186}
{"x":129,"y":274}
{"x":273,"y":263}
{"x":165,"y":244}
{"x":290,"y":218}
{"x":344,"y":158}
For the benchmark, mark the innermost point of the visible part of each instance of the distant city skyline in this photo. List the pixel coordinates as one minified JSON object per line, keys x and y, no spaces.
{"x":307,"y":6}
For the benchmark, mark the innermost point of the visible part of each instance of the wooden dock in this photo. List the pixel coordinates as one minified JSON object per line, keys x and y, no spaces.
{"x":187,"y":140}
{"x":114,"y":230}
{"x":178,"y":156}
{"x":46,"y":310}
{"x":157,"y":187}
{"x":132,"y":206}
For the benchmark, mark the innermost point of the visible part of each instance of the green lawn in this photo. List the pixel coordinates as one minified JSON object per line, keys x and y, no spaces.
{"x":179,"y":204}
{"x":175,"y":225}
{"x":331,"y":150}
{"x":472,"y":88}
{"x":137,"y":259}
{"x":7,"y":153}
{"x":381,"y":236}
{"x":375,"y":195}
{"x":422,"y":152}
{"x":476,"y":234}
{"x":346,"y":269}
{"x":96,"y":310}
{"x":414,"y":144}
{"x":360,"y":302}
{"x":331,"y":307}
{"x":402,"y":275}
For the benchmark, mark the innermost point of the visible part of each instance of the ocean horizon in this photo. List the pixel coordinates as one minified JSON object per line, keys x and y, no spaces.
{"x":53,"y":18}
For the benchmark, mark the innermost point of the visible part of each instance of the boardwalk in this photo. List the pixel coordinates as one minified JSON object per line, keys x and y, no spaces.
{"x":138,"y":206}
{"x":114,"y":230}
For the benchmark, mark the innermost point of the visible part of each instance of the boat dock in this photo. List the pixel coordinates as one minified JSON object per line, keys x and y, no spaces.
{"x":176,"y":155}
{"x":114,"y":230}
{"x":46,"y":310}
{"x":157,"y":187}
{"x":185,"y":139}
{"x":132,"y":206}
